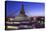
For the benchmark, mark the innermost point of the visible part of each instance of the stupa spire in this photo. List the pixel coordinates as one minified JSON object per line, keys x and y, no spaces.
{"x":22,"y":9}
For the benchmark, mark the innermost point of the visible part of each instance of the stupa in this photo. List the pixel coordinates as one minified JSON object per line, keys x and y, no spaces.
{"x":22,"y":15}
